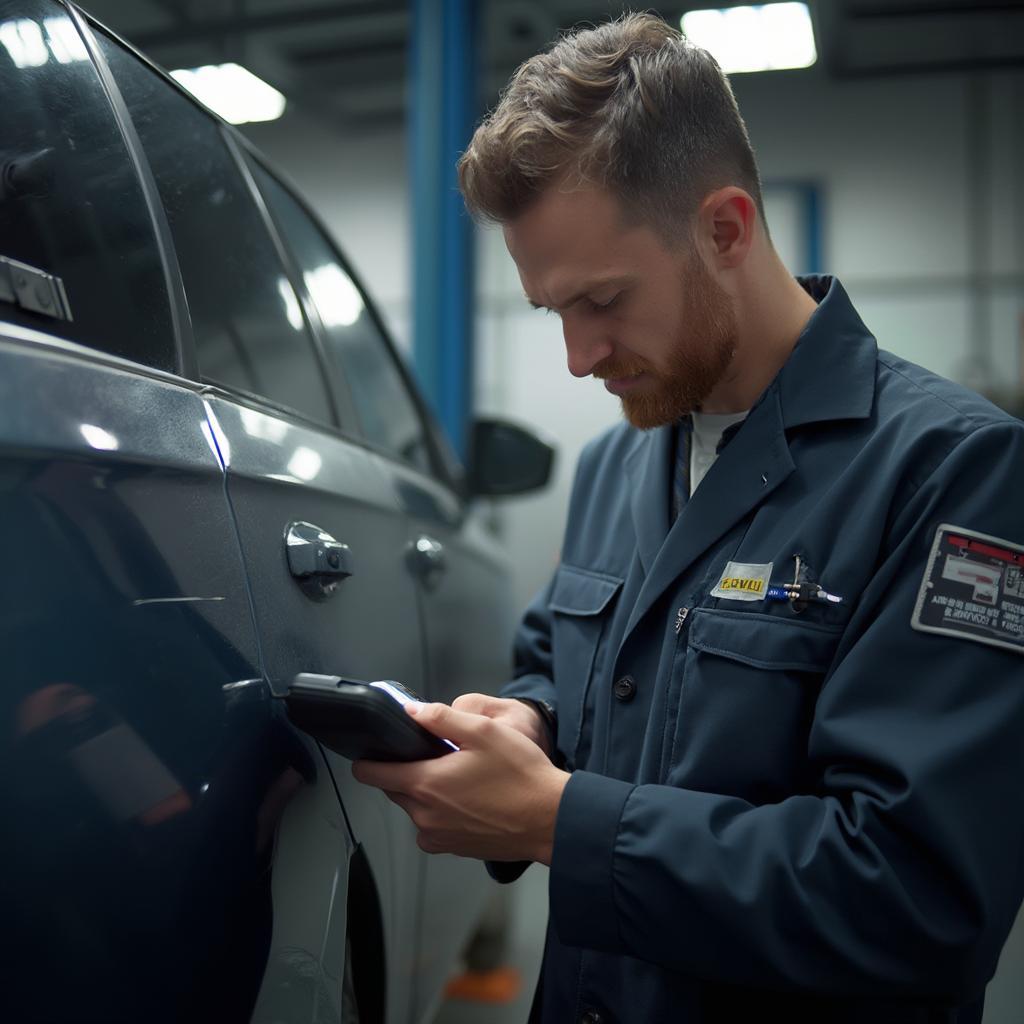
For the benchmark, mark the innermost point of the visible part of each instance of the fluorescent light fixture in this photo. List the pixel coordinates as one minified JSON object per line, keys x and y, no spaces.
{"x":231,"y":91}
{"x":768,"y":37}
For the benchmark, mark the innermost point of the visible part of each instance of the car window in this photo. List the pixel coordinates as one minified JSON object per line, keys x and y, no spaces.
{"x":387,"y":413}
{"x":78,"y":251}
{"x":248,"y":325}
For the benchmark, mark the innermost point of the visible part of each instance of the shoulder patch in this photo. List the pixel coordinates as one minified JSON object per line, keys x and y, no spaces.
{"x":973,"y":587}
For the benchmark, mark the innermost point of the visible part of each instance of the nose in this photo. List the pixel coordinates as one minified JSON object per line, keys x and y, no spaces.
{"x":585,"y":344}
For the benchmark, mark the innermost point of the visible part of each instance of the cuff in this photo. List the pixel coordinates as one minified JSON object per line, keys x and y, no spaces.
{"x":581,"y":885}
{"x":531,"y":687}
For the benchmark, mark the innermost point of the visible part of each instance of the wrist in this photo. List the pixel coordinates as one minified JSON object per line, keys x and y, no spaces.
{"x":548,"y":724}
{"x":548,"y":803}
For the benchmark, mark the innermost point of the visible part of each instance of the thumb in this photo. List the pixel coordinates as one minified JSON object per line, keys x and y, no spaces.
{"x":446,"y":722}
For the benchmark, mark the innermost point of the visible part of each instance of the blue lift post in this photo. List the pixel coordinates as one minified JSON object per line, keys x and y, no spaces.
{"x":442,"y":104}
{"x":815,"y":240}
{"x":811,"y":226}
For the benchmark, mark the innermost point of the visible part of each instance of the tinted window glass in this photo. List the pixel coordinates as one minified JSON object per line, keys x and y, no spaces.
{"x":70,"y":203}
{"x":248,"y":325}
{"x":387,"y":414}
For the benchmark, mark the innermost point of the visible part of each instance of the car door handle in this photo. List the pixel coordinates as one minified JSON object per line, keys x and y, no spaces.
{"x":316,"y":560}
{"x":428,"y":560}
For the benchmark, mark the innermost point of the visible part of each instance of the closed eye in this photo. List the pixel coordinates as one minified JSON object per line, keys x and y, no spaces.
{"x":598,"y":307}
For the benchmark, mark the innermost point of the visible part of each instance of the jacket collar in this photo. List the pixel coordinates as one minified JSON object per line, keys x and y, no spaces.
{"x":649,"y":467}
{"x":830,"y":374}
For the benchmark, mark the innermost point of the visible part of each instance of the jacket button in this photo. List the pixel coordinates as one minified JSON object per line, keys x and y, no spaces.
{"x":625,"y":688}
{"x":591,"y":1017}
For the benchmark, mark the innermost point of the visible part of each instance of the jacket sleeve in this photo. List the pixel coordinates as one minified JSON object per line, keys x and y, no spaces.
{"x":534,"y":669}
{"x":901,"y":873}
{"x":532,"y":681}
{"x":533,"y":666}
{"x":532,"y":653}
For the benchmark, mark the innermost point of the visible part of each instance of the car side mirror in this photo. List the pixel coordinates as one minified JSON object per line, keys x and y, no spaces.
{"x":506,"y":459}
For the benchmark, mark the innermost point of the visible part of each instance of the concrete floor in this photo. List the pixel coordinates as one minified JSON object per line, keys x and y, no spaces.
{"x":529,"y":916}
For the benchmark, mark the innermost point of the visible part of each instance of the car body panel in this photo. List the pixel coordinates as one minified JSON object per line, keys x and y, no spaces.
{"x":280,"y":472}
{"x":305,"y":965}
{"x":142,"y":743}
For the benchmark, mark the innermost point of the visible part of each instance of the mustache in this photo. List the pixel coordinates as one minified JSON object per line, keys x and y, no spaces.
{"x":613,"y":367}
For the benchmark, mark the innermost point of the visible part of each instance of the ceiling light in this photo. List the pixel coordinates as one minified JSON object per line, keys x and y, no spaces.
{"x":768,"y":37}
{"x":232,"y":92}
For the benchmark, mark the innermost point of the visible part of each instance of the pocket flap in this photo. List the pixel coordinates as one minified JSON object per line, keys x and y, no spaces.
{"x":765,"y":641}
{"x":582,"y":591}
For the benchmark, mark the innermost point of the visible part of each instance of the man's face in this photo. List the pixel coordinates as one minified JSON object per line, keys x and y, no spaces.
{"x":650,"y":321}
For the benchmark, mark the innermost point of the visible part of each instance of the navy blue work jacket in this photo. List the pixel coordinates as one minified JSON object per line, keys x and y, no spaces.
{"x":811,"y":814}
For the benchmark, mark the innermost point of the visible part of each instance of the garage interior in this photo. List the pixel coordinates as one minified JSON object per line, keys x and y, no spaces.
{"x":894,"y":162}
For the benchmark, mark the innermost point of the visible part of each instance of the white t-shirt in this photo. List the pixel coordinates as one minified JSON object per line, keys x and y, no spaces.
{"x":708,"y":428}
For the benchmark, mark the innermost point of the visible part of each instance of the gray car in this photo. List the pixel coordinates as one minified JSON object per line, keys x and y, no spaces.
{"x":215,"y":475}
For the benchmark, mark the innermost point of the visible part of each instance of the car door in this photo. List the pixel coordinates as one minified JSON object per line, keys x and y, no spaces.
{"x":464,"y":595}
{"x":462,"y":584}
{"x":145,"y":768}
{"x":274,"y":418}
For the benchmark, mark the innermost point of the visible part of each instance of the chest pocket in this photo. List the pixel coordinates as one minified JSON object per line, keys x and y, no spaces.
{"x":581,"y":605}
{"x":749,"y":684}
{"x":770,"y":642}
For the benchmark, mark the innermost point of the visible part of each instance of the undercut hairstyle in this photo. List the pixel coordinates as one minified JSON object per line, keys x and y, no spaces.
{"x":630,"y":106}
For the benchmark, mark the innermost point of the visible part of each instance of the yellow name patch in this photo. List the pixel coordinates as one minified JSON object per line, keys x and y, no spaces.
{"x":739,"y":583}
{"x":744,"y":581}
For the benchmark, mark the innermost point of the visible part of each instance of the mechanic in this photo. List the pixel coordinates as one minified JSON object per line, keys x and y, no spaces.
{"x":767,"y":725}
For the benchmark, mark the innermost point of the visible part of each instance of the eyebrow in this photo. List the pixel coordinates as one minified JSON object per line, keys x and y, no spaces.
{"x":583,"y":293}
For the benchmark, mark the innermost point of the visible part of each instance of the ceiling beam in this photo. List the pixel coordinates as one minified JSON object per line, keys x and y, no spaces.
{"x":826,"y":19}
{"x":955,"y":8}
{"x":926,"y":67}
{"x":215,"y":28}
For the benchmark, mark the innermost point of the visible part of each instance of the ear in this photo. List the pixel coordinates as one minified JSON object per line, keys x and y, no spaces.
{"x":726,"y":221}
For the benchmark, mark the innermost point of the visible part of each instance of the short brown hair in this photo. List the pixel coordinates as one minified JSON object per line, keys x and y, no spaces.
{"x":630,"y":105}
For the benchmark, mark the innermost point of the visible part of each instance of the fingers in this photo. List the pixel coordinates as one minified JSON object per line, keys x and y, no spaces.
{"x":520,"y":716}
{"x":460,"y":727}
{"x":391,"y":776}
{"x":477,"y":704}
{"x":405,"y":802}
{"x":486,"y":705}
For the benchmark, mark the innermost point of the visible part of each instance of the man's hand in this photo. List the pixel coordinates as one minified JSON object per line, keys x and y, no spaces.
{"x":496,"y":798}
{"x":522,"y":717}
